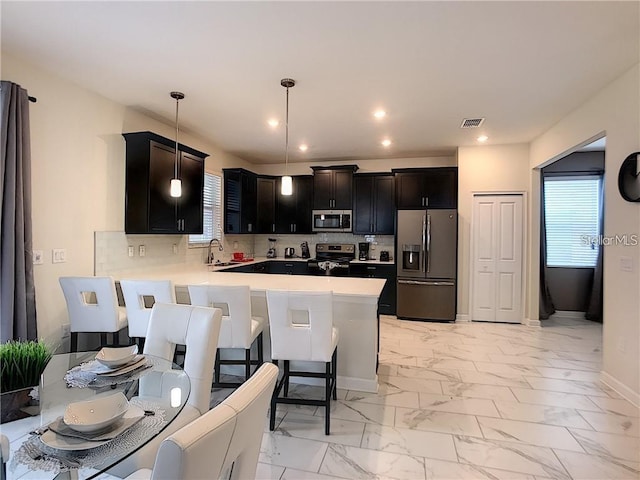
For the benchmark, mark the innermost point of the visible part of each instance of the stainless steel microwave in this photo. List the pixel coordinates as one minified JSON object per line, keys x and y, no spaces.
{"x":331,"y":220}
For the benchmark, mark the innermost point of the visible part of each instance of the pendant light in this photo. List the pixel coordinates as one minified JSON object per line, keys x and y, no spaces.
{"x":176,"y":183}
{"x":287,"y":181}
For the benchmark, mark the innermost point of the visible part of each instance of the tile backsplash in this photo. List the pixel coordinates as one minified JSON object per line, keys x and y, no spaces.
{"x":112,"y":248}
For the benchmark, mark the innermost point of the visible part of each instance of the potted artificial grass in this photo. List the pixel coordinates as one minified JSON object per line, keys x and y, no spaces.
{"x":21,"y":365}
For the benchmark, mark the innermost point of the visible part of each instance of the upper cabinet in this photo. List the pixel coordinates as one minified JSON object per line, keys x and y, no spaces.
{"x":332,"y":187}
{"x":374,"y":204}
{"x":266,"y":205}
{"x":240,"y":191}
{"x":293,"y":212}
{"x":427,"y":188}
{"x":150,"y":166}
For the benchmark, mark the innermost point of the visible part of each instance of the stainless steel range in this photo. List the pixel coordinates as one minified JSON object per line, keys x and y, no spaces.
{"x":332,"y":259}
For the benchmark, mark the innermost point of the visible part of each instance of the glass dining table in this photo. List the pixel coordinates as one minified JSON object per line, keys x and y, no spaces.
{"x":156,"y":391}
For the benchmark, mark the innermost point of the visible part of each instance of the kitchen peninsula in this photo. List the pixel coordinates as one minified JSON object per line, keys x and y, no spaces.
{"x":355,"y":309}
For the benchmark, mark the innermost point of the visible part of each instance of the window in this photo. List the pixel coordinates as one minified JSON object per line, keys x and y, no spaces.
{"x":572,"y":218}
{"x":212,"y":210}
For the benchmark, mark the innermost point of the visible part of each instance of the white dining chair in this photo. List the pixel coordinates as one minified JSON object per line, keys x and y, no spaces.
{"x":239,"y":329}
{"x":301,"y":329}
{"x":92,"y":305}
{"x":198,"y":329}
{"x":139,"y":298}
{"x":224,"y":442}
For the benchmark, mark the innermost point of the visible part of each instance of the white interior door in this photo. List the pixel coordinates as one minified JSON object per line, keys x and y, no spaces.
{"x":497,"y":258}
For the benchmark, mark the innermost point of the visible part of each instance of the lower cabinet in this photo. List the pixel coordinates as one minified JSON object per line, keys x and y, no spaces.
{"x":387,"y":302}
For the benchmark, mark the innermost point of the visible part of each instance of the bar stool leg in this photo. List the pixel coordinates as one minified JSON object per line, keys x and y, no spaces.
{"x":274,"y":397}
{"x":260,"y":351}
{"x":327,"y":394}
{"x":74,"y":342}
{"x":286,"y":378}
{"x":334,"y":371}
{"x":216,"y":371}
{"x":247,"y":363}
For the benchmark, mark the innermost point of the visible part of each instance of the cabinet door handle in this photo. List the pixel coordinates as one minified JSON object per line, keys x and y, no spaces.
{"x":249,"y":227}
{"x":273,"y":228}
{"x":295,"y":228}
{"x":426,"y":201}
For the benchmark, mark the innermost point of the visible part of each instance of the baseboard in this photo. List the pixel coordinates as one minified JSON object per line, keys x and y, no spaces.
{"x":462,"y":317}
{"x":568,"y":314}
{"x":620,"y":388}
{"x":530,"y":322}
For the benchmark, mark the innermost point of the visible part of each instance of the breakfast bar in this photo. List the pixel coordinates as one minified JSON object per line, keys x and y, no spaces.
{"x":355,"y":310}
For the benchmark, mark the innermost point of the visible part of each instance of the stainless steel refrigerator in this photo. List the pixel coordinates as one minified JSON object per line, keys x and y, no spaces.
{"x":427,"y":248}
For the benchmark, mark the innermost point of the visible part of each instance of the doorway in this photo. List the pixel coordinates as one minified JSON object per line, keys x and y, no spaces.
{"x":497,"y":261}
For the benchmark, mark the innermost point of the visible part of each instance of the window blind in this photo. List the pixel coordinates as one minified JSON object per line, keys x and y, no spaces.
{"x":572,"y":211}
{"x":212,"y":210}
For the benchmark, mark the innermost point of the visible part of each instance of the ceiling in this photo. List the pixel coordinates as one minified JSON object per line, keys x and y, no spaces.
{"x":521,"y":65}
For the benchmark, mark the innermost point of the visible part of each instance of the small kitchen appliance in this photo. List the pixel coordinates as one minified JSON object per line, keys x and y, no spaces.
{"x":384,"y":256}
{"x":363,"y":251}
{"x":289,"y":252}
{"x":331,"y":220}
{"x":304,"y":250}
{"x":272,"y":253}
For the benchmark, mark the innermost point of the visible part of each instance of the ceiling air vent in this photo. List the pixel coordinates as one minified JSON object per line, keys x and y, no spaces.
{"x":471,"y":122}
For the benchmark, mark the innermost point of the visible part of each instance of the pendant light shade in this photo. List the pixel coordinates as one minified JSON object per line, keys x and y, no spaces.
{"x":287,"y":181}
{"x":287,"y":185}
{"x":176,"y":183}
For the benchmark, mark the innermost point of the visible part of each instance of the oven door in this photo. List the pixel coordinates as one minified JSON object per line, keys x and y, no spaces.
{"x":328,"y":221}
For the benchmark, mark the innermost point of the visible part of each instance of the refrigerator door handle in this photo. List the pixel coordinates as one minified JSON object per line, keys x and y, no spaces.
{"x":423,"y":253}
{"x":434,"y":284}
{"x":428,"y":255}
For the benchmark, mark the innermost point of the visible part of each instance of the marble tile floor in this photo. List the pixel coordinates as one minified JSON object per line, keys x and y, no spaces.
{"x":473,"y":401}
{"x":467,"y":401}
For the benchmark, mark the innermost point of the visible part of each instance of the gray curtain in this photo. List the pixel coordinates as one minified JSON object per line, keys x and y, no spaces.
{"x":546,"y":303}
{"x":17,"y":291}
{"x":594,"y":309}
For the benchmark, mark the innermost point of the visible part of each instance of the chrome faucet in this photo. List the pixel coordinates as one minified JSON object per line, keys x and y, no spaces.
{"x":210,"y":251}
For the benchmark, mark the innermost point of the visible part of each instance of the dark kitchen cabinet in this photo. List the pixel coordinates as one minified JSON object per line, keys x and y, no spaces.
{"x":288,"y":268}
{"x":266,"y":205}
{"x":240,"y":207}
{"x":429,"y":187}
{"x":387,"y":301}
{"x":374,"y":204}
{"x":150,"y":166}
{"x":332,"y":187}
{"x":293,"y":212}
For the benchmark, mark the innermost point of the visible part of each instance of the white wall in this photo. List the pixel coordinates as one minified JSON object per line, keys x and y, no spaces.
{"x":616,"y":111}
{"x":78,"y":164}
{"x":501,"y":168}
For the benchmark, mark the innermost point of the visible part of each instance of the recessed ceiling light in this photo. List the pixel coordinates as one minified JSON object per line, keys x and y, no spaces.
{"x":303,"y":147}
{"x":386,"y":142}
{"x":482,"y":138}
{"x":380,"y":114}
{"x":273,"y":123}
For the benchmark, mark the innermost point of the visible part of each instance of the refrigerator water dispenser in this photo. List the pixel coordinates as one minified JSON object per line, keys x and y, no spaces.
{"x":411,"y":257}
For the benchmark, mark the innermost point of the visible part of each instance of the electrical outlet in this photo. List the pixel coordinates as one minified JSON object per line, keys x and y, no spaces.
{"x":38,"y":257}
{"x":622,"y":345}
{"x":65,"y":330}
{"x":626,"y":264}
{"x":142,"y":250}
{"x":174,"y":248}
{"x":59,"y":255}
{"x":131,"y":251}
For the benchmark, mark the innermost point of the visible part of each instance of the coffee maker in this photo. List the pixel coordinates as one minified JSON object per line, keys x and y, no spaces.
{"x":363,"y":249}
{"x":271,"y":253}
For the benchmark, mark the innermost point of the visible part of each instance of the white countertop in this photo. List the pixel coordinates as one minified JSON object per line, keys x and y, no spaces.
{"x":260,"y":282}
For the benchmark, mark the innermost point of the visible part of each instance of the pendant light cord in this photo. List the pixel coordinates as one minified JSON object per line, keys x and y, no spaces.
{"x":286,"y":141}
{"x":175,"y":166}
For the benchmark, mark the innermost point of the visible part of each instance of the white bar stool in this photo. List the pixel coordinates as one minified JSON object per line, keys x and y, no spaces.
{"x":239,"y":329}
{"x":301,"y":327}
{"x":92,"y":305}
{"x":139,"y":298}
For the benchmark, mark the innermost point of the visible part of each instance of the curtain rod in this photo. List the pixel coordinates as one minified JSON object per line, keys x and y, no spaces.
{"x":33,"y":99}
